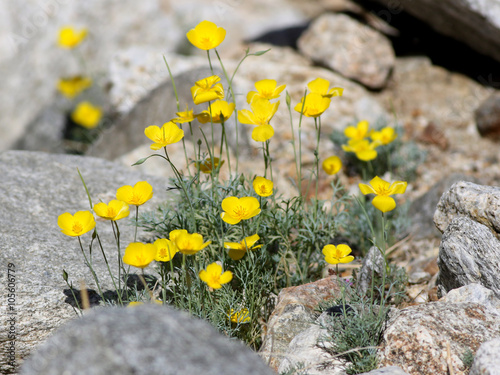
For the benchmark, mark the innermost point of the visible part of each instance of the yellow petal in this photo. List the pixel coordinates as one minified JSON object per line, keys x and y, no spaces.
{"x":366,"y":189}
{"x":384,"y":203}
{"x":262,"y":133}
{"x":397,"y":187}
{"x":226,"y":277}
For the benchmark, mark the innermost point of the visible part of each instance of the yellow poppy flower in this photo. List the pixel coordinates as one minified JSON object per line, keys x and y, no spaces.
{"x":384,"y":136}
{"x":70,"y":38}
{"x":315,"y":105}
{"x":139,"y":255}
{"x":242,"y":316}
{"x":76,"y":225}
{"x":321,"y":86}
{"x":263,"y":187}
{"x":186,"y":116}
{"x":168,"y":134}
{"x":71,"y":87}
{"x":337,"y":254}
{"x":165,"y":250}
{"x":363,"y":149}
{"x":137,"y":195}
{"x":238,"y":249}
{"x":206,"y":35}
{"x":383,"y":191}
{"x":187,"y":243}
{"x":358,"y":132}
{"x":220,"y":109}
{"x":332,"y":165}
{"x":206,"y":165}
{"x":86,"y":115}
{"x":214,"y":277}
{"x":266,"y":89}
{"x":207,"y":89}
{"x":114,"y":210}
{"x":262,"y":113}
{"x":237,"y":209}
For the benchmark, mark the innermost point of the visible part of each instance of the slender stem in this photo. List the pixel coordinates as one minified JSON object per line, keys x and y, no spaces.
{"x":210,"y":62}
{"x":136,"y":222}
{"x":91,"y":269}
{"x":109,"y":269}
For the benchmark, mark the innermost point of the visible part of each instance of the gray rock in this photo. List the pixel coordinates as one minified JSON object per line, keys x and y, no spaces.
{"x":469,"y":253}
{"x":389,"y":370}
{"x":475,"y":23}
{"x":487,"y":117}
{"x":35,"y":189}
{"x":487,"y":360}
{"x":145,"y":340}
{"x":475,"y":293}
{"x":417,"y":338}
{"x":350,"y":48}
{"x":373,"y":262}
{"x":477,"y":202}
{"x":423,"y":208}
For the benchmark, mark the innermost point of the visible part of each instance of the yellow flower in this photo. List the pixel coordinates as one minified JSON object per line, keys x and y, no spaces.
{"x":242,"y":316}
{"x":214,"y":277}
{"x":207,"y":89}
{"x":70,"y":38}
{"x":363,"y":149}
{"x":237,"y":209}
{"x":220,"y":109}
{"x":238,"y":250}
{"x":337,"y":254}
{"x":165,"y":250}
{"x":168,"y":134}
{"x":321,"y":86}
{"x":384,"y":136}
{"x":71,"y":87}
{"x":86,"y":115}
{"x":137,"y":195}
{"x":206,"y":35}
{"x":76,"y":225}
{"x":383,"y":190}
{"x":175,"y":233}
{"x":114,"y":210}
{"x":138,"y":303}
{"x":262,"y":113}
{"x":186,"y":116}
{"x":187,"y":243}
{"x":139,"y":255}
{"x":315,"y":105}
{"x":206,"y":165}
{"x":263,"y":186}
{"x":266,"y":89}
{"x":357,"y":133}
{"x":332,"y":165}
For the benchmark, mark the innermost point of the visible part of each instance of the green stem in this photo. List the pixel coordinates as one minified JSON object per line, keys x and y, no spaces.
{"x":91,"y":270}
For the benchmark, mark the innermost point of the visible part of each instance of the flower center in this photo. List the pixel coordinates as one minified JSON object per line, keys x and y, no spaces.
{"x":240,"y":212}
{"x":77,"y":227}
{"x":111,"y":212}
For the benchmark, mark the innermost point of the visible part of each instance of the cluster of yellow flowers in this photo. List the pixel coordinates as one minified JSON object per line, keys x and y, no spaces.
{"x":85,"y":114}
{"x":360,"y":144}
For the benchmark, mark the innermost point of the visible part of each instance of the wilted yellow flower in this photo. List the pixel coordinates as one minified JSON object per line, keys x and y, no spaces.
{"x":384,"y":136}
{"x":383,"y":190}
{"x":237,"y":209}
{"x":187,"y":243}
{"x":363,"y":149}
{"x":315,"y":105}
{"x":242,"y":316}
{"x":266,"y":89}
{"x":262,"y":113}
{"x":321,"y":86}
{"x":332,"y":165}
{"x":359,"y":132}
{"x":76,"y":225}
{"x":137,"y":195}
{"x":337,"y":254}
{"x":206,"y":35}
{"x":186,"y":116}
{"x":71,"y":87}
{"x":214,"y":277}
{"x":220,"y":109}
{"x":70,"y":38}
{"x":166,"y":135}
{"x":114,"y":210}
{"x":207,"y":89}
{"x":238,"y":249}
{"x":206,"y":165}
{"x":165,"y":250}
{"x":139,"y":255}
{"x":86,"y":115}
{"x":263,"y":186}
